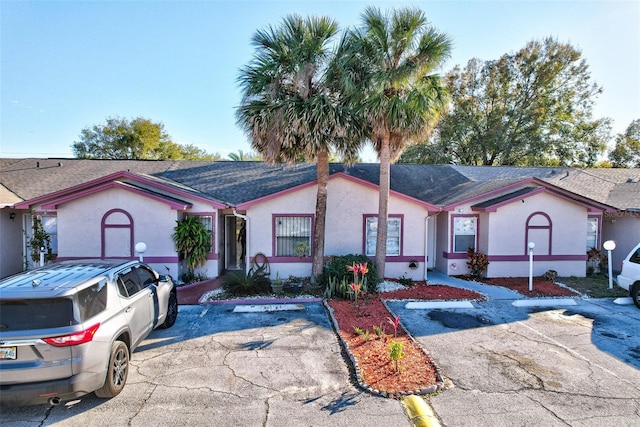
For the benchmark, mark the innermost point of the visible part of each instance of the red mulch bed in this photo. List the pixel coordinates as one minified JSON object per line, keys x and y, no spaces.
{"x":541,"y":286}
{"x":377,"y":371}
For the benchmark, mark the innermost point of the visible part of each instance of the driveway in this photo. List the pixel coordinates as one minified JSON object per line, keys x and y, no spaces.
{"x":220,"y":368}
{"x":576,"y":365}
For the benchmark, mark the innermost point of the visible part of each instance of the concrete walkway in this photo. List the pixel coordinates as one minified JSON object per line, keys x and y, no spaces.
{"x":491,"y":292}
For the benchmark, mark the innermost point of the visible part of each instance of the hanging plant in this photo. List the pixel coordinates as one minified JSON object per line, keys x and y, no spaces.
{"x":193,"y":242}
{"x":39,"y":239}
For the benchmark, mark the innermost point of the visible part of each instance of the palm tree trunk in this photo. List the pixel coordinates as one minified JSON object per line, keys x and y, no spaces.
{"x":322,"y":171}
{"x":383,"y":207}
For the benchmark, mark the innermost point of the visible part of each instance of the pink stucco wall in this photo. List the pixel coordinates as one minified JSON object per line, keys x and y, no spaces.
{"x":347,"y":203}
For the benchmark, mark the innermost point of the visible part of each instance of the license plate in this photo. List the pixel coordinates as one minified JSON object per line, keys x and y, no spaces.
{"x":10,"y":353}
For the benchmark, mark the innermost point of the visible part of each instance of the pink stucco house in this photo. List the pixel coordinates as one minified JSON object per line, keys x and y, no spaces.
{"x":102,"y":208}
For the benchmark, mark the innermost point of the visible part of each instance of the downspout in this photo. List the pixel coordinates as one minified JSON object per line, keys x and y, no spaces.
{"x":426,"y":243}
{"x":246,"y":240}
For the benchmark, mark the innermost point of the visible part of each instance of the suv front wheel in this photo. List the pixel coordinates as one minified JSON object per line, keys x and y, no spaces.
{"x":117,"y":371}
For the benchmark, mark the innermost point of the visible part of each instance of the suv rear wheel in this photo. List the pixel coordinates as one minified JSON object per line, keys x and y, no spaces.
{"x":117,"y":372}
{"x":635,"y":294}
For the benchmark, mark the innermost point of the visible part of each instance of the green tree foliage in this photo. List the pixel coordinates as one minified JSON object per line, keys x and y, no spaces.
{"x":626,"y":153}
{"x":393,"y":81}
{"x":531,"y":107}
{"x":291,"y":109}
{"x":241,"y":156}
{"x":135,"y":139}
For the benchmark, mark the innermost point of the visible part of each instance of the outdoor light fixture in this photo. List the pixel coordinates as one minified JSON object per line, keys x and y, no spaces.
{"x":12,"y":216}
{"x":141,"y":248}
{"x":531,"y":245}
{"x":609,"y":245}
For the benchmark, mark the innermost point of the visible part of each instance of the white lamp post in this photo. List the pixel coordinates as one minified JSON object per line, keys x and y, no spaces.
{"x":609,"y":245}
{"x":531,"y":245}
{"x":141,"y":247}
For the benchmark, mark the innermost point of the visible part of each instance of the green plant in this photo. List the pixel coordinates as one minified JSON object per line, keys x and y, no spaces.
{"x":240,"y":283}
{"x":477,"y":263}
{"x":365,"y":335}
{"x":301,"y":249}
{"x":39,"y":239}
{"x":378,"y":331}
{"x":405,"y":281}
{"x":336,"y":269}
{"x":396,"y":352}
{"x":193,"y":241}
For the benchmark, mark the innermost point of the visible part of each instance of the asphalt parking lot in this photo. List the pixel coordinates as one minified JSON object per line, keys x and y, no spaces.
{"x":215,"y":367}
{"x":532,"y":366}
{"x":504,"y":366}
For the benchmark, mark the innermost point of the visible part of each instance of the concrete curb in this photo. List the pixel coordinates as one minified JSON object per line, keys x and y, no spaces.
{"x":419,"y":412}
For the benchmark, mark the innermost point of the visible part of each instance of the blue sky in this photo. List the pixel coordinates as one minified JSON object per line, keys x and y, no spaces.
{"x":66,"y":65}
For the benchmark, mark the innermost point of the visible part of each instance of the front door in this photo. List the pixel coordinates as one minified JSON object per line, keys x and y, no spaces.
{"x":235,"y":241}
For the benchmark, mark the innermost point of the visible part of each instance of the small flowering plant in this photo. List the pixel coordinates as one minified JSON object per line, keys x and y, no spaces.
{"x":359,"y":283}
{"x":394,"y":322}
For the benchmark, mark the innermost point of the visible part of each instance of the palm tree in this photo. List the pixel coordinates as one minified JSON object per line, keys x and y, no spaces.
{"x":241,"y":156}
{"x":291,"y":108}
{"x":401,"y":97}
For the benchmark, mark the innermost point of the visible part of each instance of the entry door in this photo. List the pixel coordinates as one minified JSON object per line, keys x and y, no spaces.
{"x":235,"y":241}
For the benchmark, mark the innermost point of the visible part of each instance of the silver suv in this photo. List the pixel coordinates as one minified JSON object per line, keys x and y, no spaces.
{"x":67,"y":329}
{"x":629,"y":278}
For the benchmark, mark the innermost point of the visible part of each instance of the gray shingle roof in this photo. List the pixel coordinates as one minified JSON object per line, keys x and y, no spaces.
{"x":240,"y":182}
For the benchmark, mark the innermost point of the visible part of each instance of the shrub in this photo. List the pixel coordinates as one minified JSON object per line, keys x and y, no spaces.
{"x":477,"y":263}
{"x":336,"y":270}
{"x":252,"y":283}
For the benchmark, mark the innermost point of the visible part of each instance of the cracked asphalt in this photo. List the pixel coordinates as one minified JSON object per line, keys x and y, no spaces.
{"x":503,"y":366}
{"x":516,"y":366}
{"x":218,"y":368}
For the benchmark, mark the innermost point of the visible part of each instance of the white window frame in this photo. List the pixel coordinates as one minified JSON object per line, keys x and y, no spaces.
{"x":394,"y":235}
{"x":592,"y":235}
{"x":464,"y":225}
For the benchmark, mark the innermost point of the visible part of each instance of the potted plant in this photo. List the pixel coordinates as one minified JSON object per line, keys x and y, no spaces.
{"x":301,"y":249}
{"x":277,"y":285}
{"x":193,"y":243}
{"x":294,"y":284}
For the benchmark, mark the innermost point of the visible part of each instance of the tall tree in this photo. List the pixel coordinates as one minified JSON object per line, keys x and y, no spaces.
{"x":139,"y":139}
{"x":531,"y":107}
{"x":291,"y":107}
{"x":626,"y":153}
{"x":400,"y":95}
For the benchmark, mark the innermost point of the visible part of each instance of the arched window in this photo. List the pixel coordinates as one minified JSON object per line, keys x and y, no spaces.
{"x":117,"y":234}
{"x":539,"y":230}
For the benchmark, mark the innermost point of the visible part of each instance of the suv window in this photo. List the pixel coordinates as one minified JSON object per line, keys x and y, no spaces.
{"x":92,"y":300}
{"x":146,"y":277}
{"x":41,"y":313}
{"x":635,"y":257}
{"x":128,"y":284}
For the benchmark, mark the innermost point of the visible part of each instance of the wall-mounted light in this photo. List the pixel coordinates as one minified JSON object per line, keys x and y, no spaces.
{"x":12,"y":216}
{"x":413,"y":264}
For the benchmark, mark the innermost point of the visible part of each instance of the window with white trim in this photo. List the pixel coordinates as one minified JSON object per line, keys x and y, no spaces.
{"x":592,"y":233}
{"x":464,"y":233}
{"x":50,"y":226}
{"x":394,"y":231}
{"x":293,"y":236}
{"x":207,"y":221}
